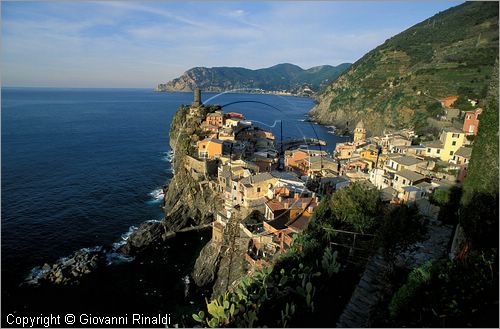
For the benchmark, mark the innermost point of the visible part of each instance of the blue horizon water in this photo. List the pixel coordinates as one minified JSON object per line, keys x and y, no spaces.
{"x":81,"y":166}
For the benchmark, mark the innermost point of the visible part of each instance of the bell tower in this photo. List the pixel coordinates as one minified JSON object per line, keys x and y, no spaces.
{"x":359,"y":132}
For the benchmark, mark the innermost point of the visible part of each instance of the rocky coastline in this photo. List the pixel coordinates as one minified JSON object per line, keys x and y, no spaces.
{"x":187,"y":205}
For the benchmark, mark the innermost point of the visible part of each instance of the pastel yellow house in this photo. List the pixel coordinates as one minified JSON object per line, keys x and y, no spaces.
{"x":452,"y":140}
{"x":449,"y":142}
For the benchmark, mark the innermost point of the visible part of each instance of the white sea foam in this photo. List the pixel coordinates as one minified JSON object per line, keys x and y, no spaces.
{"x":124,"y":237}
{"x":153,"y":221}
{"x":168,"y":156}
{"x":36,"y":274}
{"x":113,"y":258}
{"x":157,"y":195}
{"x":92,"y":249}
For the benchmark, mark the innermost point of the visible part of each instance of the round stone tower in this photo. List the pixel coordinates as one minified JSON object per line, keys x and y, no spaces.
{"x":196,"y":98}
{"x":359,"y":132}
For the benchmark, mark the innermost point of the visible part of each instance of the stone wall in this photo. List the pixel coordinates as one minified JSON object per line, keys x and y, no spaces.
{"x":200,"y":168}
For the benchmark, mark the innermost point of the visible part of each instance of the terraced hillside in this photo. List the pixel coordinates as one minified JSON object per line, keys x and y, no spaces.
{"x":398,"y":83}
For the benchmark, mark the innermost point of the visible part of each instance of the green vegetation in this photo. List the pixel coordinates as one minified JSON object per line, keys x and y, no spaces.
{"x":401,"y":227}
{"x":402,"y":299}
{"x":355,"y":208}
{"x":310,"y":284}
{"x":449,"y":202}
{"x":279,"y":77}
{"x":463,"y":291}
{"x":449,"y":294}
{"x":451,"y":53}
{"x":479,"y":203}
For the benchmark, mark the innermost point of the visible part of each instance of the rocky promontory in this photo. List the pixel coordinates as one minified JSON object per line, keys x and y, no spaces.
{"x":282,"y":77}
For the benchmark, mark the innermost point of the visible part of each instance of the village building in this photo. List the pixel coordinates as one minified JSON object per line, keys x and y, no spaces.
{"x":411,"y":194}
{"x":416,"y":150}
{"x":289,"y":216}
{"x":462,"y":156}
{"x":329,"y":185}
{"x":433,"y":148}
{"x":235,"y":115}
{"x":396,"y":141}
{"x":211,"y":148}
{"x":294,"y":157}
{"x":452,"y":140}
{"x":215,"y":119}
{"x":471,"y":121}
{"x":315,"y":165}
{"x":406,"y":178}
{"x":358,"y":164}
{"x":226,"y":134}
{"x":252,"y":190}
{"x":403,"y":162}
{"x":359,"y":132}
{"x":448,"y":102}
{"x":380,"y":178}
{"x":450,"y":114}
{"x":344,"y":150}
{"x":231,"y":122}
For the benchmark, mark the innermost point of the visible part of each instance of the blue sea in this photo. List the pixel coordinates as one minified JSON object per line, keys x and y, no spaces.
{"x":81,"y":167}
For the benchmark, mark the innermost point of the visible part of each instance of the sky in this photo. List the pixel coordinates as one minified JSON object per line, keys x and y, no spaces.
{"x":141,"y":44}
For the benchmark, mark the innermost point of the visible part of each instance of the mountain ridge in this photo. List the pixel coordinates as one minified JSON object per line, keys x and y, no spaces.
{"x":284,"y":76}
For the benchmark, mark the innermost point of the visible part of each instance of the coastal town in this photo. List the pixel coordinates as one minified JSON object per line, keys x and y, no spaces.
{"x":279,"y":185}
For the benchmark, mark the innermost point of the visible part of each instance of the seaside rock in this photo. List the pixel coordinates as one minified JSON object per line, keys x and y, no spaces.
{"x":146,"y":235}
{"x":188,"y":202}
{"x":206,"y":264}
{"x":68,"y":270}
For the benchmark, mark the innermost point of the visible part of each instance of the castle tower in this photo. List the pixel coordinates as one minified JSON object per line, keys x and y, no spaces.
{"x":359,"y":132}
{"x":196,"y":98}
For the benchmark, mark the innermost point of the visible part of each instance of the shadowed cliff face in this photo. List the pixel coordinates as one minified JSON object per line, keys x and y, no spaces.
{"x":188,"y":200}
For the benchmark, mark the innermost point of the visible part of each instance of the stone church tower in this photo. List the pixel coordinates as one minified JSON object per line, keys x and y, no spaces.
{"x":359,"y":132}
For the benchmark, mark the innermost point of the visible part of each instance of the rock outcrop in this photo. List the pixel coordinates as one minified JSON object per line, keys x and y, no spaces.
{"x":207,"y":263}
{"x":68,"y":270}
{"x":146,"y":235}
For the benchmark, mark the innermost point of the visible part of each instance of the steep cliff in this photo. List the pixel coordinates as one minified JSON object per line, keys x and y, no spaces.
{"x":188,"y":200}
{"x":396,"y":84}
{"x":287,"y":77}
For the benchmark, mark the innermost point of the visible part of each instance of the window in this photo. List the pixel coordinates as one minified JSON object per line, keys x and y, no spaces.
{"x":397,"y":177}
{"x":451,"y":152}
{"x":438,"y":151}
{"x":454,"y":143}
{"x":404,"y":181}
{"x":258,"y":189}
{"x":428,"y":150}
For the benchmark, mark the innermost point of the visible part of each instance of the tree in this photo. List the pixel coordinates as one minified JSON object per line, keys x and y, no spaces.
{"x":399,"y":229}
{"x":357,"y":207}
{"x":434,"y":108}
